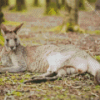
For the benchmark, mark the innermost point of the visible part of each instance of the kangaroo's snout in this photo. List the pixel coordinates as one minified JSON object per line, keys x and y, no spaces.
{"x":12,"y":47}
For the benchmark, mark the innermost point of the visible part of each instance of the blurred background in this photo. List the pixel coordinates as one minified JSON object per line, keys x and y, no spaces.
{"x":58,"y":22}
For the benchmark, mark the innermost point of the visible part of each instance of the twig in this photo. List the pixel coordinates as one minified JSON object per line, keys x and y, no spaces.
{"x":94,"y":94}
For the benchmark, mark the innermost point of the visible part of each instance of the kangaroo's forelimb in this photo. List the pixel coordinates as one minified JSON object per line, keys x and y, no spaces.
{"x":12,"y":69}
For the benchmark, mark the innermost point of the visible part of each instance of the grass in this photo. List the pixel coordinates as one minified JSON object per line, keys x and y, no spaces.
{"x":11,"y":23}
{"x":97,"y":32}
{"x":97,"y":58}
{"x":65,"y":89}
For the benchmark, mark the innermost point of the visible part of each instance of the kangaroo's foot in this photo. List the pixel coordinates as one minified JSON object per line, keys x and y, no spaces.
{"x":43,"y":79}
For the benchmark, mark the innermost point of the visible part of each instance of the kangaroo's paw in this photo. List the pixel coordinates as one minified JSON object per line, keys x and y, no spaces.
{"x":97,"y":77}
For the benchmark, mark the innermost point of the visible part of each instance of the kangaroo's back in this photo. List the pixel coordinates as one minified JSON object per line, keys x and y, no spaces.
{"x":41,"y":56}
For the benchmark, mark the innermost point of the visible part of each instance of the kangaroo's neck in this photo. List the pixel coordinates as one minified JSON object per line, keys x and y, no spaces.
{"x":19,"y":48}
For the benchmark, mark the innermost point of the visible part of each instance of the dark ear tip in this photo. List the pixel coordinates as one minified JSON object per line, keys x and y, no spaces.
{"x":22,"y":24}
{"x":97,"y":77}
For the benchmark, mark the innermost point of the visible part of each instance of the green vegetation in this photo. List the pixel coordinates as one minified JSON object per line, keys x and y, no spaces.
{"x":68,"y":27}
{"x":64,"y":89}
{"x":52,"y":9}
{"x":11,"y":23}
{"x":97,"y":57}
{"x":1,"y":40}
{"x":82,"y":5}
{"x":92,"y":1}
{"x":97,"y":32}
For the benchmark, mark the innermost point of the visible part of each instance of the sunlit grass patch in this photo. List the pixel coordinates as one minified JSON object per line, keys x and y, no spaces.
{"x":15,"y":93}
{"x":12,"y":2}
{"x":97,"y":32}
{"x":1,"y":40}
{"x":57,"y":28}
{"x":11,"y":23}
{"x":15,"y":9}
{"x":97,"y":58}
{"x":67,"y":27}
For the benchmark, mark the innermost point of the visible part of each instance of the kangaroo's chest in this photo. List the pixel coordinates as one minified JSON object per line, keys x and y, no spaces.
{"x":14,"y":59}
{"x":11,"y":59}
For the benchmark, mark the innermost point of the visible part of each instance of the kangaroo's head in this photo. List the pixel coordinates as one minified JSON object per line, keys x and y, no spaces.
{"x":11,"y":38}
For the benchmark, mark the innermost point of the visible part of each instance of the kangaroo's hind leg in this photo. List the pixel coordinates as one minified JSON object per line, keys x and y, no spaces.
{"x":50,"y":77}
{"x":80,"y":64}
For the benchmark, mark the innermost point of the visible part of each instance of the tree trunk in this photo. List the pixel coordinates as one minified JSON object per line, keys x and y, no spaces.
{"x":1,"y":15}
{"x":51,"y":7}
{"x":97,"y":5}
{"x":58,"y":4}
{"x":5,"y":2}
{"x":47,"y":3}
{"x":63,"y":2}
{"x":82,"y":4}
{"x":36,"y":3}
{"x":72,"y":17}
{"x":76,"y":11}
{"x":20,"y":5}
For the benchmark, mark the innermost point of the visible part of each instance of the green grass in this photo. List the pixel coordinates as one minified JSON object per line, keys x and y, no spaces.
{"x":97,"y":32}
{"x":92,"y":1}
{"x":1,"y":40}
{"x":97,"y":58}
{"x":11,"y":23}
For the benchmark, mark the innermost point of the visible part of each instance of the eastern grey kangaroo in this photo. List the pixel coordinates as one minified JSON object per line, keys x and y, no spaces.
{"x":54,"y":61}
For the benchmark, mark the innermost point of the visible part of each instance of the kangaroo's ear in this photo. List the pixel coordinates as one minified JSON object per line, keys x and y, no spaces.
{"x":17,"y":28}
{"x":4,"y":29}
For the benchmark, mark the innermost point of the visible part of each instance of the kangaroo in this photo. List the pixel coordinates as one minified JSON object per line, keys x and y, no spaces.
{"x":54,"y":61}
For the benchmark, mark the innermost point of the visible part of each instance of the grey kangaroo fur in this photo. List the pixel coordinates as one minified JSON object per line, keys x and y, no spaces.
{"x":54,"y":61}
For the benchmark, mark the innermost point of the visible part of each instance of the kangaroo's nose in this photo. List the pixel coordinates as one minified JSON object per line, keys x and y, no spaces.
{"x":12,"y":47}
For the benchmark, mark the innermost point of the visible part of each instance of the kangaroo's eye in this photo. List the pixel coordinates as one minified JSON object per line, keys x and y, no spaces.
{"x":15,"y":39}
{"x":7,"y":40}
